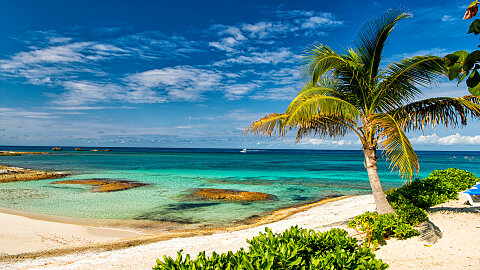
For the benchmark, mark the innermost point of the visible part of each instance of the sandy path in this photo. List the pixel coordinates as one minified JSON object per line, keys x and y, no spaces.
{"x":319,"y":218}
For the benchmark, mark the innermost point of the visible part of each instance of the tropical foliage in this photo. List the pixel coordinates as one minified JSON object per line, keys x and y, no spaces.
{"x":410,"y":203}
{"x":295,"y":248}
{"x":439,"y":187}
{"x":374,"y":228}
{"x":354,"y":92}
{"x":463,"y":65}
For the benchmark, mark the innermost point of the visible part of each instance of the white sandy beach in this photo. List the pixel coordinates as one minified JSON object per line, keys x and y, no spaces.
{"x":457,"y":249}
{"x":20,"y":234}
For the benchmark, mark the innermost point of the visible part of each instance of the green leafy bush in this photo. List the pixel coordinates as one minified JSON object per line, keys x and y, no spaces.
{"x":410,"y":213}
{"x":410,"y":203}
{"x":295,"y":248}
{"x":374,"y":228}
{"x":438,"y":187}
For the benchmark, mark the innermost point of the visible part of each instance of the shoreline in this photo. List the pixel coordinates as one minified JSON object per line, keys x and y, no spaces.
{"x":453,"y":250}
{"x":114,"y":233}
{"x":321,"y":216}
{"x":144,"y":236}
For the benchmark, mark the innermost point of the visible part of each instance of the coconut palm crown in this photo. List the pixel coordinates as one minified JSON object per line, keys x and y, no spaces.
{"x":348,"y":92}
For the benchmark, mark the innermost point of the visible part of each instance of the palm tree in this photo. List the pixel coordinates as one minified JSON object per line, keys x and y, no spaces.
{"x":350,"y":93}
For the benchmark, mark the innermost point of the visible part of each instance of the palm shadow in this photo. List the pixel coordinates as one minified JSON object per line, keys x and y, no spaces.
{"x":430,"y":232}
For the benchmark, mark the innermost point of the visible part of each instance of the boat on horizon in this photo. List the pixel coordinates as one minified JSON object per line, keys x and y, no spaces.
{"x":244,"y":150}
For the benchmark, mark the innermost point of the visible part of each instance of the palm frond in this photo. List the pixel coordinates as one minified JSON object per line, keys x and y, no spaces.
{"x":401,"y":81}
{"x":323,"y":106}
{"x":325,"y":86}
{"x":447,"y":111}
{"x":396,"y":145}
{"x":318,"y":60}
{"x":372,"y":37}
{"x":331,"y":127}
{"x":270,"y":124}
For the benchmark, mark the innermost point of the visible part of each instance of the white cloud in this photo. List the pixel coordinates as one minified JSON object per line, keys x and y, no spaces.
{"x":21,"y":113}
{"x":62,"y":54}
{"x":447,"y":18}
{"x":286,"y":93}
{"x":54,"y":64}
{"x":234,"y":31}
{"x":320,"y":22}
{"x":54,"y":40}
{"x":331,"y":142}
{"x":456,"y":139}
{"x":233,"y":115}
{"x":85,"y":92}
{"x":264,"y":29}
{"x":296,"y":22}
{"x":82,"y":108}
{"x":151,"y":45}
{"x":282,"y":55}
{"x":279,"y":84}
{"x":310,"y":22}
{"x":227,"y":44}
{"x":237,"y":91}
{"x":176,"y":83}
{"x":231,"y":37}
{"x":108,"y":30}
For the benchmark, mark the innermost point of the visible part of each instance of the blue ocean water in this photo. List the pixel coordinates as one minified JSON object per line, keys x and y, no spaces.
{"x":293,"y":176}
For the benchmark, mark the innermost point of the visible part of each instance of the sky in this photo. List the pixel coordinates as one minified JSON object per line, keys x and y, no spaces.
{"x":194,"y":73}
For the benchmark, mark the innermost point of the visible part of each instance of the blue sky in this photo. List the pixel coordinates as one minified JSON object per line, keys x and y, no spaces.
{"x":192,"y":73}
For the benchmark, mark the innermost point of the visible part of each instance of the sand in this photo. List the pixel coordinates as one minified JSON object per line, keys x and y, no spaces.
{"x":321,"y":217}
{"x":457,"y":249}
{"x":20,"y":234}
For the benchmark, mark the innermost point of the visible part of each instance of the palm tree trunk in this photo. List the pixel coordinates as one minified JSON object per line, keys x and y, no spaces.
{"x":383,"y":207}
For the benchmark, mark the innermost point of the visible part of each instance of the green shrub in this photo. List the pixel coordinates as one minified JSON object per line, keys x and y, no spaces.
{"x":293,"y":249}
{"x":411,"y":200}
{"x":410,"y":213}
{"x":410,"y":203}
{"x":374,"y":228}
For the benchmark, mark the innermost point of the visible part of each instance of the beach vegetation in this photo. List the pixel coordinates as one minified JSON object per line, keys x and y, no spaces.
{"x":295,"y":248}
{"x":355,"y":92}
{"x":374,"y":228}
{"x":439,"y":187}
{"x":410,"y":203}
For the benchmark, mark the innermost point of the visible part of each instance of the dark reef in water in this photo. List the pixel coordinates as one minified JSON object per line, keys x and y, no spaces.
{"x":104,"y":185}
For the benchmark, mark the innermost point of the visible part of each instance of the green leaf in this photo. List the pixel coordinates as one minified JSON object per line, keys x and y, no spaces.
{"x":474,"y":27}
{"x":455,"y":62}
{"x":475,"y":90}
{"x":473,"y":80}
{"x":462,"y":78}
{"x":451,"y":59}
{"x":462,"y":55}
{"x":471,"y":60}
{"x":454,"y":72}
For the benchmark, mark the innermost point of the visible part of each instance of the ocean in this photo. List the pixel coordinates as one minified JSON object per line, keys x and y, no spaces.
{"x":293,"y":176}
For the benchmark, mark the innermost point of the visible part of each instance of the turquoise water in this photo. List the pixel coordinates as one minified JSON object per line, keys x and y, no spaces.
{"x":293,"y":176}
